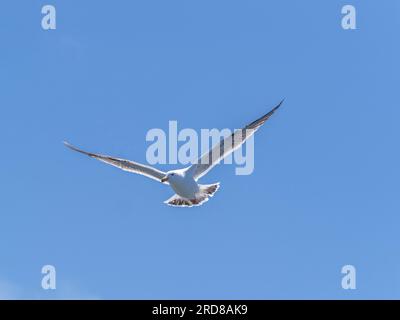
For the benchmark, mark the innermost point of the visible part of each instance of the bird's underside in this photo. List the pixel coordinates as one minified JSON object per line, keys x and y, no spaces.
{"x":206,"y":192}
{"x":189,"y":193}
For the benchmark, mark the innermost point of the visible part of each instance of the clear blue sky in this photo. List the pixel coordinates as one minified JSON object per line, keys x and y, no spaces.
{"x":325,"y":190}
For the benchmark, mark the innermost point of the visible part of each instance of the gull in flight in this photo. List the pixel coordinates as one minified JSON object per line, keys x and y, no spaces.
{"x":184,"y":181}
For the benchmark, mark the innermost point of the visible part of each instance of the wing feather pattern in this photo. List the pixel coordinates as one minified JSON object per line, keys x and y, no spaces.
{"x":125,"y":165}
{"x":228,"y":145}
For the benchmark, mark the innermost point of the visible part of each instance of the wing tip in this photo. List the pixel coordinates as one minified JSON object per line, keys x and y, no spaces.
{"x":276,"y":107}
{"x":280,"y":103}
{"x":70,"y":146}
{"x":273,"y":109}
{"x":67,"y":144}
{"x":257,"y":123}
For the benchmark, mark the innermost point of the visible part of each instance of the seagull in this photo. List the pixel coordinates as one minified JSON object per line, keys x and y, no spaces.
{"x":188,"y":192}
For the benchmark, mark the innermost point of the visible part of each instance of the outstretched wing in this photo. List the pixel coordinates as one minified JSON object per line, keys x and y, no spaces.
{"x":125,"y":165}
{"x":226,"y":146}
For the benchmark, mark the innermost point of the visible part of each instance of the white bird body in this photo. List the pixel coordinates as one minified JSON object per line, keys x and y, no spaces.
{"x":184,"y":181}
{"x":188,"y":191}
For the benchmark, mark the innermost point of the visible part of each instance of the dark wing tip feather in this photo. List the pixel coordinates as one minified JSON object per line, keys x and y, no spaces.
{"x":70,"y":146}
{"x":264,"y":118}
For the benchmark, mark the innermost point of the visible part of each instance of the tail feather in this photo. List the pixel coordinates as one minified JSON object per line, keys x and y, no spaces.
{"x":205,"y":192}
{"x":209,"y":189}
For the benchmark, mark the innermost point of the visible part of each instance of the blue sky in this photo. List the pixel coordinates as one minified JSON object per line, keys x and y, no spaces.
{"x":325,"y":188}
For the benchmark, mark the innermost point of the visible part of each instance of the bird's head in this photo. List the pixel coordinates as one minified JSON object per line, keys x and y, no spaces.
{"x":171,"y":176}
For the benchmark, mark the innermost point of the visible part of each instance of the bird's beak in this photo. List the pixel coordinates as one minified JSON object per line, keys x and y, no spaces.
{"x":164,"y":179}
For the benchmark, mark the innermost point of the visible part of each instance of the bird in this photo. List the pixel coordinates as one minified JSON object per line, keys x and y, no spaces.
{"x":188,"y":192}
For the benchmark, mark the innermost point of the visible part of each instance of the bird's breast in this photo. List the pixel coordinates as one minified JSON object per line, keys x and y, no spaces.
{"x":186,"y":188}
